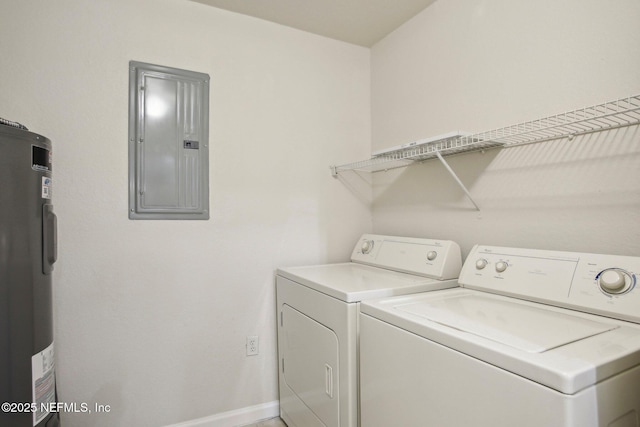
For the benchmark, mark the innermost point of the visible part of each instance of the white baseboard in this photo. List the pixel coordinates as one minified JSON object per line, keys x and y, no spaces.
{"x":237,"y":417}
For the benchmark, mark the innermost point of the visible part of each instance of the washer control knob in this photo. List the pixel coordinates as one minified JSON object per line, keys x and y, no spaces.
{"x":501,"y":266}
{"x":612,"y":281}
{"x":481,"y":263}
{"x":431,"y":255}
{"x":367,"y":246}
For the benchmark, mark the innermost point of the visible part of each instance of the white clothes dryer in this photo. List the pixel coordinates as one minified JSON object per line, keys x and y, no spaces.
{"x":318,"y":310}
{"x":530,"y":339}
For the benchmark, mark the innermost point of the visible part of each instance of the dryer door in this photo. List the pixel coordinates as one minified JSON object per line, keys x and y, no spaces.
{"x":310,"y":364}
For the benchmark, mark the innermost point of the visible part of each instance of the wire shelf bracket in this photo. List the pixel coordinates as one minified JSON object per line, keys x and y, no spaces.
{"x":455,"y":177}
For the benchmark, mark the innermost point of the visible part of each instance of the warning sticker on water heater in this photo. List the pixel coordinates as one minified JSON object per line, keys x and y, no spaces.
{"x":40,"y":159}
{"x":43,"y":382}
{"x":46,"y":187}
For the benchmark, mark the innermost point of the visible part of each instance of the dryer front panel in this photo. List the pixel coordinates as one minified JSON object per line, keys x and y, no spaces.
{"x":310,"y":364}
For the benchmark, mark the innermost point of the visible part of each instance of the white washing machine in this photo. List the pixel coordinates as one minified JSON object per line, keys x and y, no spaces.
{"x":530,"y":339}
{"x":318,"y":310}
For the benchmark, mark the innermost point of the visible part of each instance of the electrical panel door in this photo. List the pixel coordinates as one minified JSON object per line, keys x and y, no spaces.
{"x":168,"y":143}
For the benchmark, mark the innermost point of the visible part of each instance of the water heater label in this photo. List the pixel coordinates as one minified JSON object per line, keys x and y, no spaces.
{"x":40,"y":158}
{"x":44,"y":383}
{"x":46,"y":187}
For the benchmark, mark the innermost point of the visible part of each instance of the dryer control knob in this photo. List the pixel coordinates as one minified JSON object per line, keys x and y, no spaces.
{"x":481,"y":263}
{"x":431,"y":255}
{"x":501,"y":266}
{"x":367,"y":246}
{"x":612,"y":281}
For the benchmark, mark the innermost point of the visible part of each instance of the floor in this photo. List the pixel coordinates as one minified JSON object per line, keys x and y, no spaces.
{"x":274,"y":422}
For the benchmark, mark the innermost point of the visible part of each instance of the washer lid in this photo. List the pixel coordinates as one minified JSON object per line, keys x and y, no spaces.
{"x":524,"y":327}
{"x":353,"y":282}
{"x":556,"y":347}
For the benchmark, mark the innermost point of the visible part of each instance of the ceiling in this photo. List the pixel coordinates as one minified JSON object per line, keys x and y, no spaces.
{"x":361,"y":22}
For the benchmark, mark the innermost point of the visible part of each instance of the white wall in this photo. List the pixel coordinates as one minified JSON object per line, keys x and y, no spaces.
{"x":476,"y":65}
{"x":151,"y":316}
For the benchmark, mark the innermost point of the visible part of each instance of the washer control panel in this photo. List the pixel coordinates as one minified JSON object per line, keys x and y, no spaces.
{"x":594,"y":283}
{"x":438,"y":259}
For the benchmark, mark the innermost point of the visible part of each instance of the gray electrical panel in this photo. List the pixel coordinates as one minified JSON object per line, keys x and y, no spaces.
{"x":168,"y":143}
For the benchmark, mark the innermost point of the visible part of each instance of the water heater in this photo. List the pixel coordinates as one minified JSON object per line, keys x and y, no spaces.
{"x":27,"y":254}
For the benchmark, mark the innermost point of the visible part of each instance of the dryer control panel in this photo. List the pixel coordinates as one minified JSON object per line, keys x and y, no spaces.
{"x":594,"y":283}
{"x":437,"y":259}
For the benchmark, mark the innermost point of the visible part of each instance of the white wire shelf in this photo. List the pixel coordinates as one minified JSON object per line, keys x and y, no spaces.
{"x":609,"y":115}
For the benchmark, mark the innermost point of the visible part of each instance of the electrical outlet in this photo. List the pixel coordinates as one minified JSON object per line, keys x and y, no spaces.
{"x":252,"y":345}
